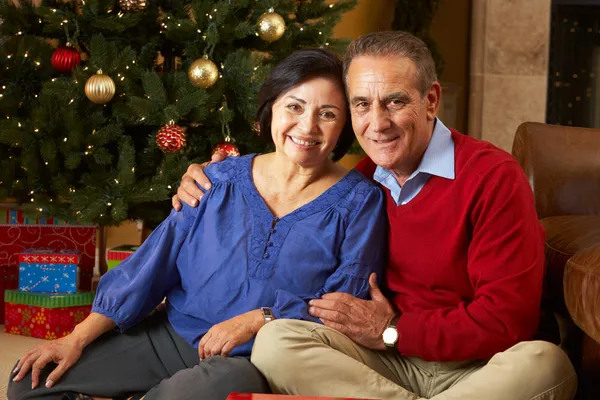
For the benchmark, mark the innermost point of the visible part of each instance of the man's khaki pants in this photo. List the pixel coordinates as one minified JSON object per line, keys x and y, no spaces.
{"x":299,"y":357}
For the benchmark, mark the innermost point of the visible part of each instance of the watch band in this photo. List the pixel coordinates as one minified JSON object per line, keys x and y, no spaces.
{"x":267,"y":314}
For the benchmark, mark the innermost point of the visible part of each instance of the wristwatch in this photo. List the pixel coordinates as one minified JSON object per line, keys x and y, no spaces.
{"x":267,"y":314}
{"x":390,"y":334}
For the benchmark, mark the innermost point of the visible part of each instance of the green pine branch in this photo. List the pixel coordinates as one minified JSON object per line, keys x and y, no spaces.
{"x":71,"y":158}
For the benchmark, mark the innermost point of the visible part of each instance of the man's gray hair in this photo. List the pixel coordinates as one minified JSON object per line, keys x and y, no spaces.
{"x":395,"y":43}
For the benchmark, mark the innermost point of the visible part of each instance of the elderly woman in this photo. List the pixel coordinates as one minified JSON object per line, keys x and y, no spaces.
{"x":273,"y":232}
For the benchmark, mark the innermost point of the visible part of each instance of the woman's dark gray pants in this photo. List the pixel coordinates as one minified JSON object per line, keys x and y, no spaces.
{"x":150,"y":358}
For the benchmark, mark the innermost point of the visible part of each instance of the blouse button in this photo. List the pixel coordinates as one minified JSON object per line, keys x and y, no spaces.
{"x":270,"y":244}
{"x":267,"y":255}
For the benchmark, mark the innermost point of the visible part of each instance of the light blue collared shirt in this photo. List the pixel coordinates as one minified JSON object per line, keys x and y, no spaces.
{"x":438,"y":160}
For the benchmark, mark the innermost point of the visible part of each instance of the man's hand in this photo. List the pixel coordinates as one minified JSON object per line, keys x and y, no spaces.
{"x":64,"y":351}
{"x":188,"y":192}
{"x":223,"y":337}
{"x":361,"y":320}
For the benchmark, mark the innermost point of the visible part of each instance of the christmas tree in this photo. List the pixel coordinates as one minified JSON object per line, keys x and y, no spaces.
{"x":104,"y":103}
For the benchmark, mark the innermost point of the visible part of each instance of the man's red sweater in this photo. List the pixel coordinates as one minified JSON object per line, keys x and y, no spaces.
{"x":466,"y":258}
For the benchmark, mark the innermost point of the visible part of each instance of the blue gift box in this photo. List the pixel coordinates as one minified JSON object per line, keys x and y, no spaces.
{"x":48,"y":271}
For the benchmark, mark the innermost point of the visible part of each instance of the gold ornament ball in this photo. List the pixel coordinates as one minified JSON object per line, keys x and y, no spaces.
{"x":100,"y":88}
{"x":132,"y":5}
{"x":203,"y":73}
{"x":271,"y":26}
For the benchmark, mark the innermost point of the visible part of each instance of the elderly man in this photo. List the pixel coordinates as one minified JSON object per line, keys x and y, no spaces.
{"x":465,"y":266}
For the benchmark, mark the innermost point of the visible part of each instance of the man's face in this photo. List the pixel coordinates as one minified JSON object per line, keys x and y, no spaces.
{"x":392,"y":121}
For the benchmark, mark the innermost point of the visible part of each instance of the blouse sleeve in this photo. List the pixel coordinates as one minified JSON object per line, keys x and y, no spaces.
{"x":363,"y":251}
{"x":128,"y":293}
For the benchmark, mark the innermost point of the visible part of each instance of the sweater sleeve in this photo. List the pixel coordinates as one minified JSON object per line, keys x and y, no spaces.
{"x":505,"y":265}
{"x":127,"y":293}
{"x":362,"y":251}
{"x":366,"y":167}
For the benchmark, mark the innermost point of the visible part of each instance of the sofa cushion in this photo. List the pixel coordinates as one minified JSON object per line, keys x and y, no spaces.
{"x":566,"y":236}
{"x":582,"y":290}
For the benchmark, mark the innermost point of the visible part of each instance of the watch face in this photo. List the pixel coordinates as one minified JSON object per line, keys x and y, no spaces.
{"x":390,"y":336}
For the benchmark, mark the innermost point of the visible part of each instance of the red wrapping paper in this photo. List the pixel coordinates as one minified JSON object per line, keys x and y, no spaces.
{"x":251,"y":396}
{"x":16,"y":238}
{"x":9,"y":279}
{"x":44,"y":323}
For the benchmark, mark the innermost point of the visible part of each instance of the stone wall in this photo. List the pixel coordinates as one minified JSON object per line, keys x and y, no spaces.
{"x":509,"y":67}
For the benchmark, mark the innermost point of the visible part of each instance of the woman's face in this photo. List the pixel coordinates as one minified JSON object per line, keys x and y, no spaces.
{"x":308,"y":120}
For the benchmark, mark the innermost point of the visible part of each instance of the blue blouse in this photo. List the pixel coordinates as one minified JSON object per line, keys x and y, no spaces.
{"x":230,"y":255}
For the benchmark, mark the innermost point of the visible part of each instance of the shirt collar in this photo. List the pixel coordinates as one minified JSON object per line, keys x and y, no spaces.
{"x":438,"y":158}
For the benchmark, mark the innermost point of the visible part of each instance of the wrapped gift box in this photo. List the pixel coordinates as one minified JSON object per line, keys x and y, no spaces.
{"x":254,"y":396}
{"x":117,"y":254}
{"x":47,"y":271}
{"x":45,"y":315}
{"x":18,"y":232}
{"x":11,"y":216}
{"x":9,"y":279}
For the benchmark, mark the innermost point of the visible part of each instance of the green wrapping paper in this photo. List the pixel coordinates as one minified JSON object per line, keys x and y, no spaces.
{"x":49,"y":300}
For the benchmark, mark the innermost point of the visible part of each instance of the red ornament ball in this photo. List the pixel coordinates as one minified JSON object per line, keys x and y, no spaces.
{"x":226,"y":148}
{"x":65,"y":59}
{"x":171,"y":138}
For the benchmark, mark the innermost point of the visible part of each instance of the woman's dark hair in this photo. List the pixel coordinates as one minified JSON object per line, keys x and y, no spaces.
{"x":295,"y":69}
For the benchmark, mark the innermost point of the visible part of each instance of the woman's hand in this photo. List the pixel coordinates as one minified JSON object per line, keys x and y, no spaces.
{"x":224,"y":337}
{"x":65,"y":352}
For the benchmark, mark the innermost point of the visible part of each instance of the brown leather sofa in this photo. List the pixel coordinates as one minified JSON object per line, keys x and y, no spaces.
{"x":563,"y":167}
